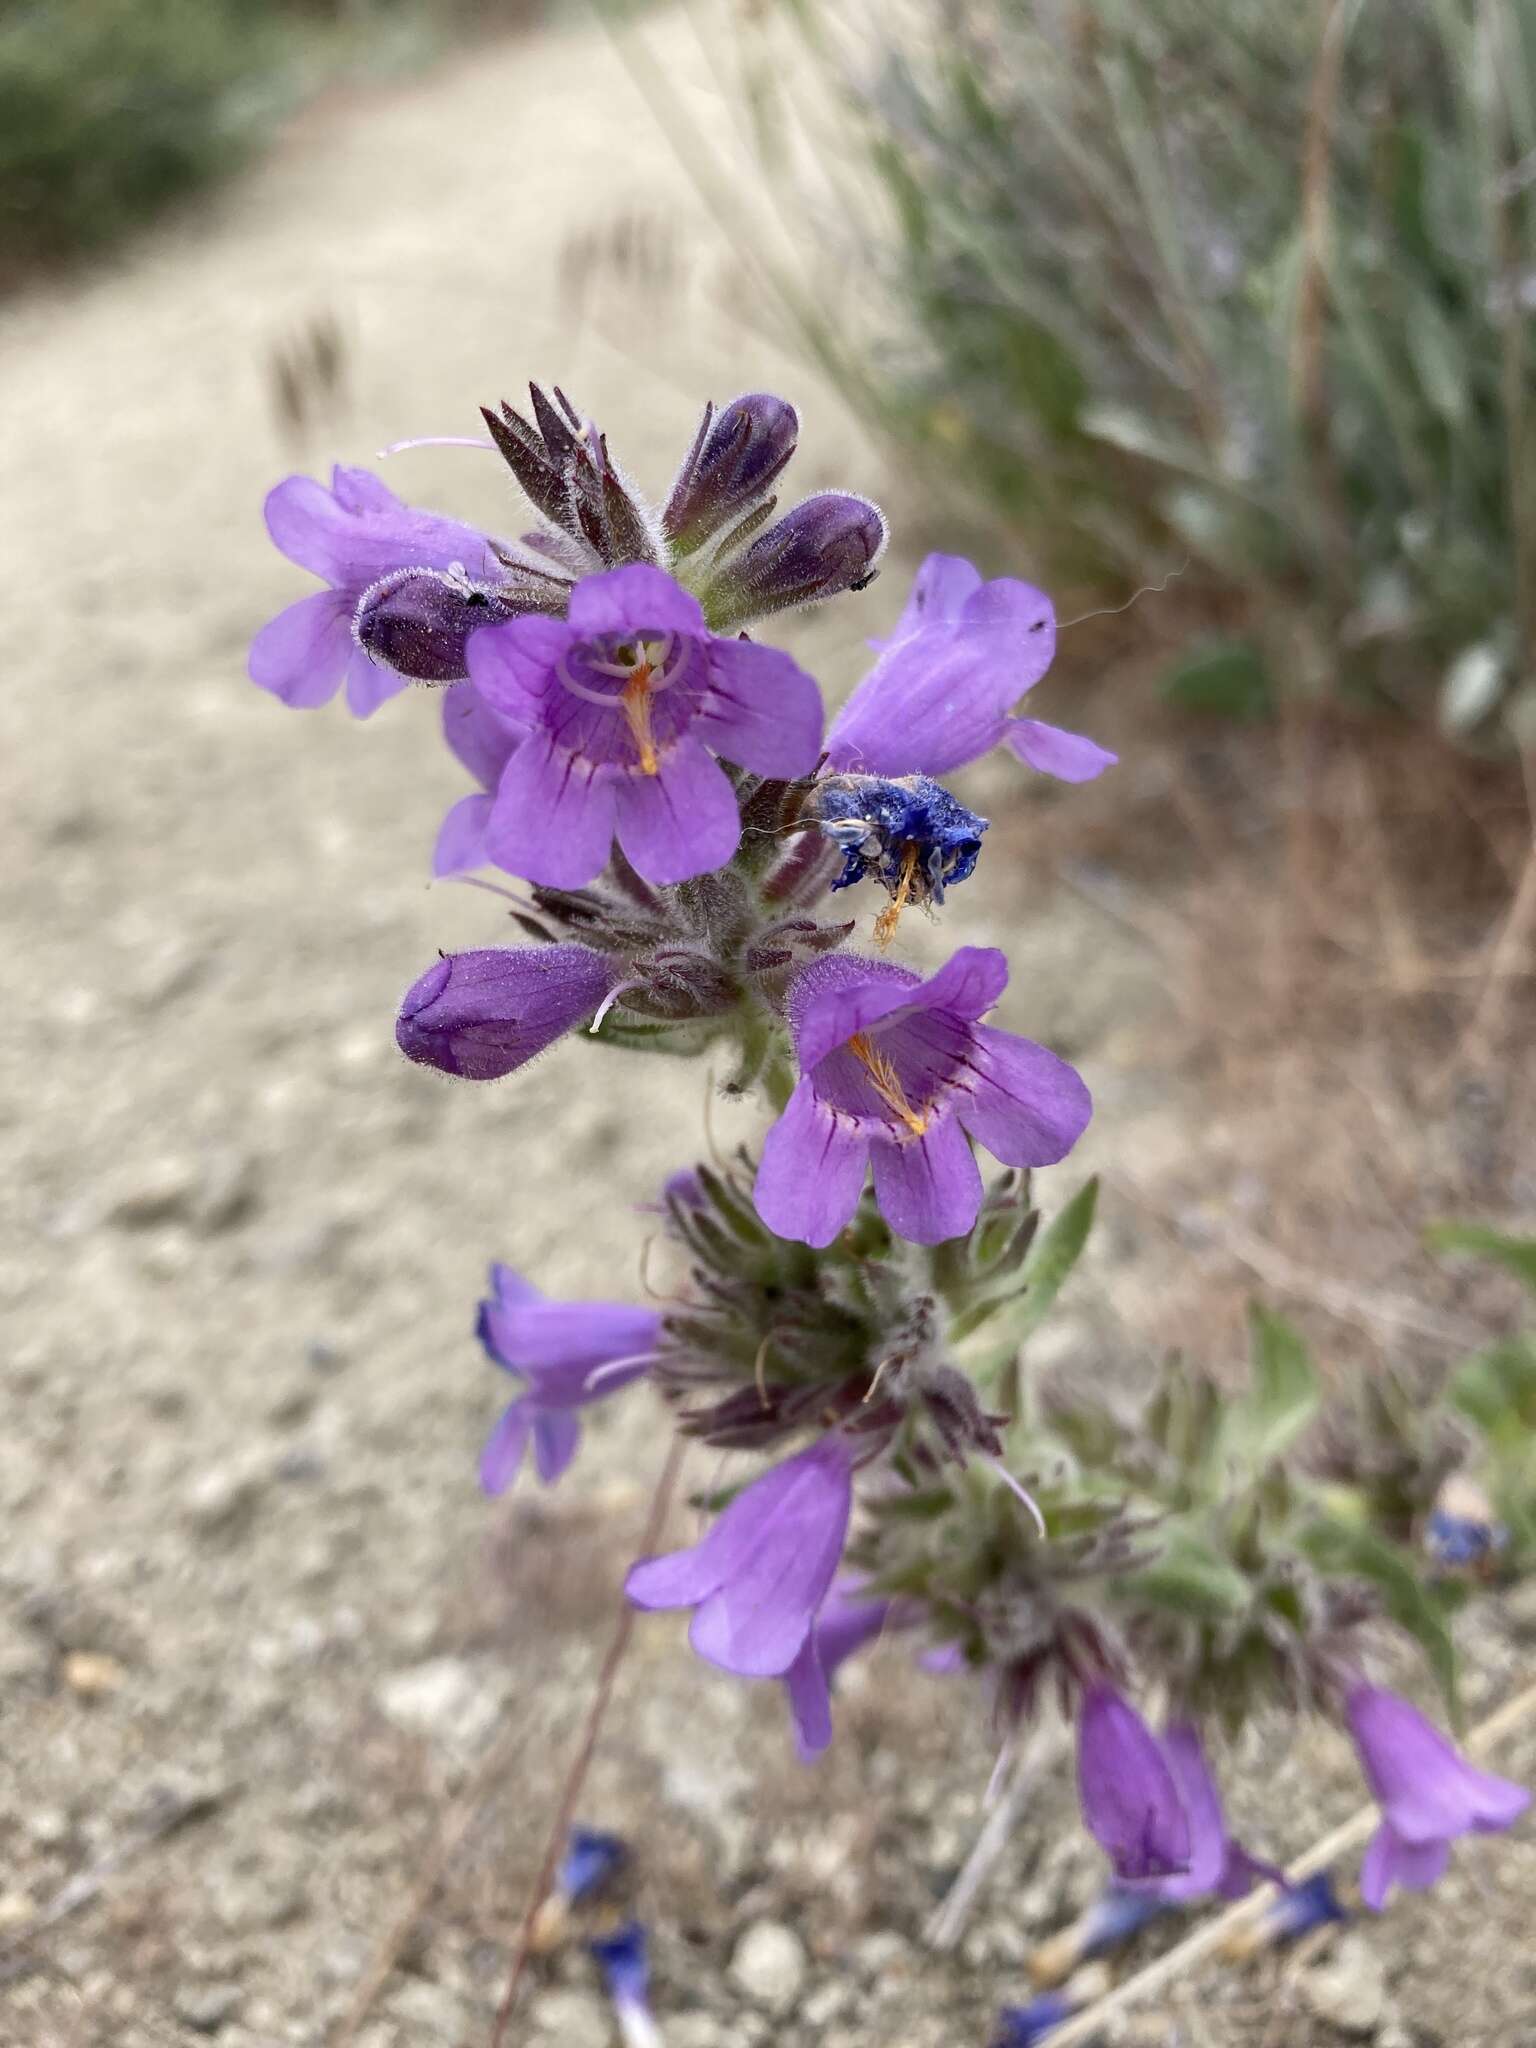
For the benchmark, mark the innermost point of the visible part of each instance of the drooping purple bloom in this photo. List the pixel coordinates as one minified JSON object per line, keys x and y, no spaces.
{"x":1217,"y":1864}
{"x":1427,"y":1791}
{"x":485,"y":743}
{"x":481,"y":1014}
{"x":354,"y":535}
{"x":759,"y":1577}
{"x":943,"y":689}
{"x":571,"y":1353}
{"x":894,"y":1072}
{"x":1130,"y":1800}
{"x":625,"y":705}
{"x":846,"y":1622}
{"x":1294,"y":1911}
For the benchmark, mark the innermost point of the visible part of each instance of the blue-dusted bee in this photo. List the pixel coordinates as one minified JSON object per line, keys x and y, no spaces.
{"x":905,"y":832}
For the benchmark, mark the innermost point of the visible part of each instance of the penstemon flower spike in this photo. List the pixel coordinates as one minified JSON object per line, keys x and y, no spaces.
{"x":853,"y":1291}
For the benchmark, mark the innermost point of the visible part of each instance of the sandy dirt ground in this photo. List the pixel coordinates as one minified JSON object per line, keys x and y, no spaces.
{"x":257,"y":1626}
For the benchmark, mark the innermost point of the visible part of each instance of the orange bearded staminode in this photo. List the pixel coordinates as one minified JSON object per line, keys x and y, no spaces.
{"x":635,"y":700}
{"x":890,"y":917}
{"x":886,"y":1085}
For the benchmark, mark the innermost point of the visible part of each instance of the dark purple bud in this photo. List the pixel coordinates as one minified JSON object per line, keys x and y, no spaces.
{"x":480,"y":1015}
{"x":675,"y":983}
{"x":735,"y":460}
{"x":828,"y":544}
{"x":418,"y":622}
{"x":793,"y":941}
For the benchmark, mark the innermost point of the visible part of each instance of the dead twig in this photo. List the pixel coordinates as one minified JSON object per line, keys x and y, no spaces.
{"x":575,"y":1778}
{"x":947,"y":1922}
{"x":168,"y":1813}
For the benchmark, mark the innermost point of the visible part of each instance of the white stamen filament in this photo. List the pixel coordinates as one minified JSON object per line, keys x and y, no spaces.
{"x":1024,"y":1495}
{"x":438,"y":441}
{"x":608,"y":1002}
{"x":615,"y":1366}
{"x":652,"y":654}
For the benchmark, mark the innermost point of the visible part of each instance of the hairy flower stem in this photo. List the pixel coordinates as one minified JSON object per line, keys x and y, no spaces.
{"x":581,"y":1763}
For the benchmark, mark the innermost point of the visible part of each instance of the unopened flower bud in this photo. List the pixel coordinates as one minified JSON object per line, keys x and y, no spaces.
{"x":793,"y":941}
{"x":418,"y":622}
{"x":735,"y":460}
{"x":480,"y":1015}
{"x":675,"y":983}
{"x":830,"y":543}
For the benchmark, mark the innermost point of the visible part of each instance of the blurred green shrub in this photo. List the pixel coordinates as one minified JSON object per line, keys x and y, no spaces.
{"x":110,"y":109}
{"x":1243,"y":282}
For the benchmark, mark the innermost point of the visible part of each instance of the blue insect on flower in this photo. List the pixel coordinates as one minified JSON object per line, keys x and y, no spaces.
{"x":906,"y":832}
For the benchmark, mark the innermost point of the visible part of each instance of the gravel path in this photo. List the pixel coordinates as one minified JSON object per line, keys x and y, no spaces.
{"x":256,"y":1624}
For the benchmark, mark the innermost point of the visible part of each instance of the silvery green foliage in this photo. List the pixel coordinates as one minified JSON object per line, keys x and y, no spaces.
{"x":1247,"y":287}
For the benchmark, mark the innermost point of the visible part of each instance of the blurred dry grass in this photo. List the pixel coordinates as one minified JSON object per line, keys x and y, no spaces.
{"x":1341,"y":911}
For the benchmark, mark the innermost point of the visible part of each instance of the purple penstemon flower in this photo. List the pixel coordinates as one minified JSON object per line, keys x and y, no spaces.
{"x":624,"y":1961}
{"x":943,"y":689}
{"x":625,"y":704}
{"x":571,"y":1353}
{"x":482,"y":1014}
{"x":1130,"y":1798}
{"x":895,"y":1072}
{"x":1217,"y":1864}
{"x":846,"y":1621}
{"x":759,"y":1577}
{"x":354,"y":536}
{"x":484,"y":742}
{"x":1427,"y":1791}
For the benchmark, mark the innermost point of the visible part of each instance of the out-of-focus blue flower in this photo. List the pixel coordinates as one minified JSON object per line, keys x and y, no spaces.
{"x":1116,"y":1916}
{"x":1294,"y":1911}
{"x":623,"y":1959}
{"x":1021,"y":2026}
{"x":591,"y":1861}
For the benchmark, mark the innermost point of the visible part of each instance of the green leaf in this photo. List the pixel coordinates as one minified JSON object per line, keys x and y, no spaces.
{"x":1053,"y":1254}
{"x":1283,"y":1394}
{"x":1191,"y":1579}
{"x":1496,"y":1389}
{"x":1341,"y":1547}
{"x":1227,"y":679}
{"x":1516,"y":1254}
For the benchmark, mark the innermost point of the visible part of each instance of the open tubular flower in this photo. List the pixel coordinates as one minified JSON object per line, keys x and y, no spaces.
{"x":758,"y":1579}
{"x":942,"y":691}
{"x":895,"y":1072}
{"x":484,"y":742}
{"x":483,"y":1014}
{"x":624,"y":705}
{"x":357,"y":535}
{"x":1427,"y":1791}
{"x":570,"y":1353}
{"x":846,"y":1621}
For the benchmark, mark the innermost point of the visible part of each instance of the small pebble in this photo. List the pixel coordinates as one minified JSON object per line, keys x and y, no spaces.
{"x":206,"y":2007}
{"x":573,"y":2019}
{"x":769,"y":1965}
{"x":92,"y":1674}
{"x":1350,"y":1989}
